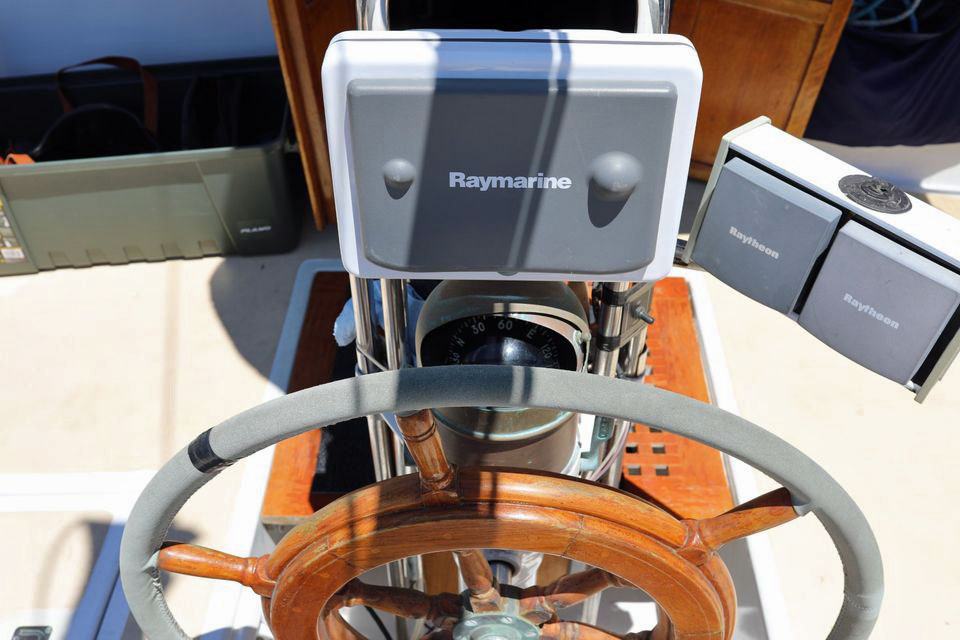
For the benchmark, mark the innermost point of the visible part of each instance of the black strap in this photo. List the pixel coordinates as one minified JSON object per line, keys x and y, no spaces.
{"x":150,"y":103}
{"x":202,"y":455}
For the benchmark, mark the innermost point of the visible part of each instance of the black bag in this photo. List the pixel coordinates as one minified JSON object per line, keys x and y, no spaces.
{"x":211,"y":114}
{"x":98,"y":130}
{"x":892,"y":87}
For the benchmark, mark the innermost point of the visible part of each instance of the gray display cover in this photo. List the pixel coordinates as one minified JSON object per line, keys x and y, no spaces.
{"x":879,"y":303}
{"x":762,"y":236}
{"x":509,"y":175}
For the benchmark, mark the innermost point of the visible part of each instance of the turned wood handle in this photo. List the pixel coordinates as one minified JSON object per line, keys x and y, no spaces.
{"x":406,"y":603}
{"x":477,"y":575}
{"x":420,"y":433}
{"x":567,"y":591}
{"x":762,"y":513}
{"x":191,"y":560}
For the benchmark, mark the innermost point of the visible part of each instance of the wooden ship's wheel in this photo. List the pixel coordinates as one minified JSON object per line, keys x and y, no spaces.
{"x":315,"y":569}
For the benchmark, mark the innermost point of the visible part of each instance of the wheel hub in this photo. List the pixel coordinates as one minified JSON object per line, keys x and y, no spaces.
{"x":496,"y":626}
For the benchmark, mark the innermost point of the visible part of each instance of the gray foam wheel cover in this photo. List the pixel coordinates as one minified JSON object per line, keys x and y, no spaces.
{"x":412,"y":389}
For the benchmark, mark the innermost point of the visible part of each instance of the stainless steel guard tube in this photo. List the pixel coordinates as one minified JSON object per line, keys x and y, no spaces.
{"x":456,"y":386}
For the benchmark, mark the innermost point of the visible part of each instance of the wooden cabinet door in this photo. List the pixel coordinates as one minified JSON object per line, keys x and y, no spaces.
{"x":759,"y":57}
{"x":303,"y":29}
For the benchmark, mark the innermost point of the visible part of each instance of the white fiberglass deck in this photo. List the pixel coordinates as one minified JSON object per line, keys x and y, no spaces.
{"x":107,"y":371}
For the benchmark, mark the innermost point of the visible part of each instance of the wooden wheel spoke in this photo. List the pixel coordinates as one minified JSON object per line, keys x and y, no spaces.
{"x":478,"y":577}
{"x":420,"y":435}
{"x":542,"y":603}
{"x":334,"y":627}
{"x":765,"y":512}
{"x":441,"y":609}
{"x":191,"y":560}
{"x":583,"y":631}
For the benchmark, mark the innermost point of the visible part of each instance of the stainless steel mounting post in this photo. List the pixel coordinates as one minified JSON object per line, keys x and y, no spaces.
{"x":605,"y":364}
{"x":636,"y":363}
{"x":380,"y":433}
{"x":387,"y":449}
{"x":394,"y":296}
{"x":381,"y":436}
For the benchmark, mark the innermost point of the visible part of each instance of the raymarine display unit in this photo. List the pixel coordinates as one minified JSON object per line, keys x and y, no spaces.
{"x":861,"y":265}
{"x":538,"y":155}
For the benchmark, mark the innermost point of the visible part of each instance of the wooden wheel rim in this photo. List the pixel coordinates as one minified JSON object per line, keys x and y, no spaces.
{"x":808,"y":488}
{"x":492,"y":508}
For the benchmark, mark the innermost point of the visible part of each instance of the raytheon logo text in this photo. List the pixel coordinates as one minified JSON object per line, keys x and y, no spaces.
{"x":863,"y":307}
{"x":753,"y":242}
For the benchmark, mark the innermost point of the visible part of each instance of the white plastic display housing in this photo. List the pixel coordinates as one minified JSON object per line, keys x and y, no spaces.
{"x":923,"y":229}
{"x":577,"y":55}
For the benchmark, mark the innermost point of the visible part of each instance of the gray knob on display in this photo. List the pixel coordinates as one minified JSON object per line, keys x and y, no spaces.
{"x":615,"y":175}
{"x":398,"y":175}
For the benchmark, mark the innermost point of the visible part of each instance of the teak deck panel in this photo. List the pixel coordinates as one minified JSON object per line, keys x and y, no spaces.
{"x":696,"y":485}
{"x":288,"y":498}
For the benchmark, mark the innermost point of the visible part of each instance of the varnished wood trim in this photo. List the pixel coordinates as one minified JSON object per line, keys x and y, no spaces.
{"x":818,"y":66}
{"x":302,"y":31}
{"x":440,"y":573}
{"x":700,"y":170}
{"x":814,"y":12}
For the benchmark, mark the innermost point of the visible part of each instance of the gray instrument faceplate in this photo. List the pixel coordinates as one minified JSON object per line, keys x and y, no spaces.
{"x":762,"y":236}
{"x":879,"y":303}
{"x":411,"y":140}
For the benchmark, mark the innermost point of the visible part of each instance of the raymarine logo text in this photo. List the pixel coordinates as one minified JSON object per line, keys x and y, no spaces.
{"x":459,"y":180}
{"x":750,"y":240}
{"x":870,"y":311}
